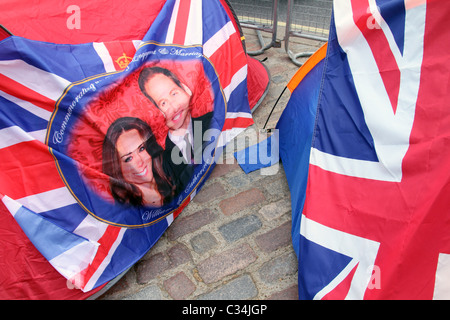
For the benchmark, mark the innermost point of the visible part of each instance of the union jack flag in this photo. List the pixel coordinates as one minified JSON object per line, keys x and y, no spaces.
{"x":375,"y":218}
{"x":34,"y":75}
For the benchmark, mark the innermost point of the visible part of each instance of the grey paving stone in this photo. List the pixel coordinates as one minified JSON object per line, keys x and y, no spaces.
{"x":151,"y":292}
{"x":279,"y":268}
{"x":238,"y":289}
{"x":203,"y":242}
{"x":225,"y":263}
{"x":240,"y":228}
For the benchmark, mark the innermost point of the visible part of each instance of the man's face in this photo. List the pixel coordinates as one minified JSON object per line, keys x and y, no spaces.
{"x":172,"y":100}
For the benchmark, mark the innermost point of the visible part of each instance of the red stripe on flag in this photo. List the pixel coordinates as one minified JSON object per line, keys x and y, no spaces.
{"x":182,"y":21}
{"x":18,"y":90}
{"x":341,"y":290}
{"x":237,"y":123}
{"x":105,"y":244}
{"x":181,"y":207}
{"x":26,"y":169}
{"x":232,"y":52}
{"x":387,"y":65}
{"x":121,"y":53}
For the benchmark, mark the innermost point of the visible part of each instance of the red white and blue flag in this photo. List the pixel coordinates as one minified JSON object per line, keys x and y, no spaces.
{"x":370,"y":188}
{"x":42,"y":86}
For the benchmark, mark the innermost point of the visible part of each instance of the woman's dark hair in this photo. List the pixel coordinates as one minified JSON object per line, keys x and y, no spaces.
{"x":125,"y":192}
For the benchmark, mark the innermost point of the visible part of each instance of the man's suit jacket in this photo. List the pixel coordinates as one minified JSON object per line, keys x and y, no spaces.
{"x":182,"y":173}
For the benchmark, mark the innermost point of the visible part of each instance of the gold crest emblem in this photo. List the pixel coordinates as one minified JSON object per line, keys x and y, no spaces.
{"x":123,"y":61}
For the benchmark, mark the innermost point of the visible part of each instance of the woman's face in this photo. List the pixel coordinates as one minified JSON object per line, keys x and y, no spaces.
{"x":135,"y":162}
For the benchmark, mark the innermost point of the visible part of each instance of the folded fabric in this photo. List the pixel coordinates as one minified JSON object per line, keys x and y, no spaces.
{"x":261,"y":155}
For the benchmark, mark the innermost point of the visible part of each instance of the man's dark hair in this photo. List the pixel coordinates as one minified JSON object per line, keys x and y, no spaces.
{"x":148,"y":72}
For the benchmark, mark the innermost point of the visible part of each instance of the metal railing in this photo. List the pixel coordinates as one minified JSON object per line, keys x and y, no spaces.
{"x":302,"y":18}
{"x":260,"y":15}
{"x":307,"y":19}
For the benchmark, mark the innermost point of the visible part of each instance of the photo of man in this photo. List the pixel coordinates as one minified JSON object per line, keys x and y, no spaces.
{"x":183,"y":148}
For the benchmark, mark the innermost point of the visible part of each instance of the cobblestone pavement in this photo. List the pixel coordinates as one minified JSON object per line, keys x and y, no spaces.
{"x":233,"y":241}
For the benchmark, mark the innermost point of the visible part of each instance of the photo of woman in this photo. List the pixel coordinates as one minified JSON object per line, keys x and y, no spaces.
{"x":133,"y":160}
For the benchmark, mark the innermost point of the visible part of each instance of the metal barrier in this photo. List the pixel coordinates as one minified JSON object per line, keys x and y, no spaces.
{"x":302,"y":18}
{"x":308,"y":19}
{"x":260,"y":15}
